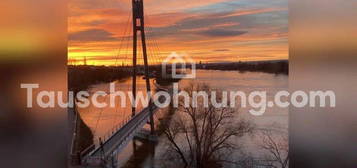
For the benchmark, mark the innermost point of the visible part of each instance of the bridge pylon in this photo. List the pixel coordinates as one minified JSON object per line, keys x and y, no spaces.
{"x":138,"y":26}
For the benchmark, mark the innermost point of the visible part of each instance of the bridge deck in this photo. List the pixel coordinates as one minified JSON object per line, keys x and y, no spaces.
{"x":115,"y":143}
{"x":124,"y":134}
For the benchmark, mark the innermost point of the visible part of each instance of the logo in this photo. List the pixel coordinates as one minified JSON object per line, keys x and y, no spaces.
{"x":182,"y":66}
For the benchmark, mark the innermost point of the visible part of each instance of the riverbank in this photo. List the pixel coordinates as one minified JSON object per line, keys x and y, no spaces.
{"x":82,"y":137}
{"x":81,"y":77}
{"x":274,"y":67}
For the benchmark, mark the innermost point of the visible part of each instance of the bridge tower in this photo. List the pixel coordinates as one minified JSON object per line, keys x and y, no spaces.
{"x":138,"y":26}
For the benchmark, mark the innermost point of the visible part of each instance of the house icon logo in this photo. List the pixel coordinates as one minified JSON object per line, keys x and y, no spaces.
{"x":182,"y":66}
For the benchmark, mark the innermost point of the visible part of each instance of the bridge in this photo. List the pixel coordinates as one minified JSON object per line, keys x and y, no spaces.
{"x":103,"y":154}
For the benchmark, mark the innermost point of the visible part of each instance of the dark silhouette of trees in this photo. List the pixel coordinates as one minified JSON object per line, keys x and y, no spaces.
{"x":275,"y":144}
{"x":81,"y":77}
{"x":200,"y":136}
{"x":275,"y":67}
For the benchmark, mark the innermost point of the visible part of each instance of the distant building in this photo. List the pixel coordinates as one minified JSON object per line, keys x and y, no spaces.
{"x":84,"y":61}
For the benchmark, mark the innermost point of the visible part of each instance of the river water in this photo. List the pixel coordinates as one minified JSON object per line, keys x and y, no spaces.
{"x":103,"y":120}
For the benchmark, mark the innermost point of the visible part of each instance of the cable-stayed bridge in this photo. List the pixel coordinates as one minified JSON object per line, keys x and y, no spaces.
{"x":104,"y":152}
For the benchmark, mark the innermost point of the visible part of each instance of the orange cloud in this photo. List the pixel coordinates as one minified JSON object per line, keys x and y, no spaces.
{"x":254,"y":11}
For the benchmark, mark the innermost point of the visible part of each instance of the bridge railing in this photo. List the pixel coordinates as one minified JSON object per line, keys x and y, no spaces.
{"x":87,"y":150}
{"x":120,"y":125}
{"x":126,"y":124}
{"x":114,"y":129}
{"x":110,"y":133}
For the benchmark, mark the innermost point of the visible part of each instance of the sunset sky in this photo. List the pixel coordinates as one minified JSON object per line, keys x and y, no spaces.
{"x":205,"y":30}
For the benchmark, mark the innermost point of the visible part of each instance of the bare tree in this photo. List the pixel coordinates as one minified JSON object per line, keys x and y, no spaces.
{"x":201,"y":135}
{"x":275,"y":143}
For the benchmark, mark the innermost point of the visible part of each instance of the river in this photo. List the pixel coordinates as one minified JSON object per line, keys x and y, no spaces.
{"x":101,"y":121}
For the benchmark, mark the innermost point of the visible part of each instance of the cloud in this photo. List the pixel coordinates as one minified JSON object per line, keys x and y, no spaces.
{"x":221,"y":50}
{"x":92,"y":35}
{"x":96,"y":4}
{"x":94,"y":23}
{"x":223,"y":24}
{"x":195,"y":27}
{"x":221,"y":33}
